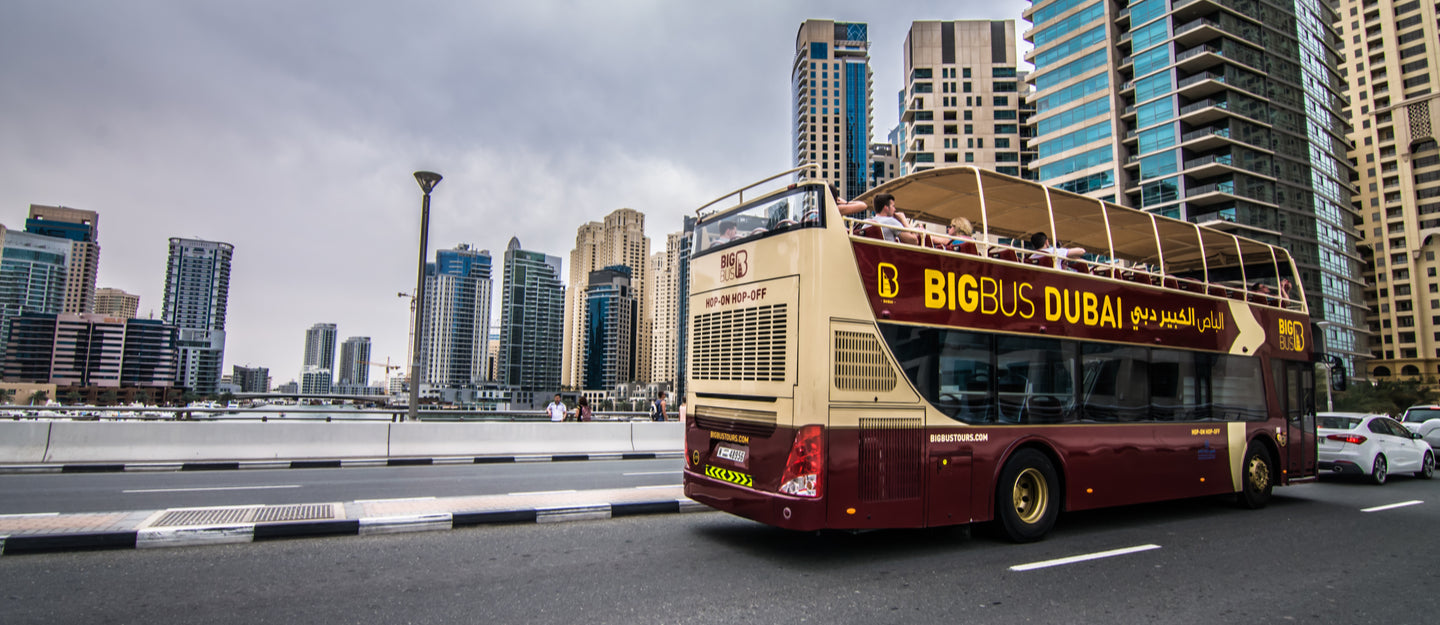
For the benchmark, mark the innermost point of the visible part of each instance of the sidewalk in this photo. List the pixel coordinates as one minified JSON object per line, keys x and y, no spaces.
{"x":176,"y":527}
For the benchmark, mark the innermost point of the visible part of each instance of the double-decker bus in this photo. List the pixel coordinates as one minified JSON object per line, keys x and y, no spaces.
{"x":840,"y":380}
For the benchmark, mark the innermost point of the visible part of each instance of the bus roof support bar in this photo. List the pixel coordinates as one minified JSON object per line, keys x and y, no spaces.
{"x":1159,"y":247}
{"x":1204,"y":261}
{"x":1109,"y":238}
{"x":984,"y":214}
{"x":1054,"y":236}
{"x":741,"y":191}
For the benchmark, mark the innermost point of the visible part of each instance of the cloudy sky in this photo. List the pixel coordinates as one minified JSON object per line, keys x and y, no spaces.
{"x":290,"y":129}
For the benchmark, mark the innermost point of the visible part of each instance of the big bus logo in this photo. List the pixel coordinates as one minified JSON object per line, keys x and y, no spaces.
{"x":889,"y":280}
{"x":1292,"y":335}
{"x":734,"y":265}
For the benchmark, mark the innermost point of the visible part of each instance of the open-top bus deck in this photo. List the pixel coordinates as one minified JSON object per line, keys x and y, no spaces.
{"x":838,"y":380}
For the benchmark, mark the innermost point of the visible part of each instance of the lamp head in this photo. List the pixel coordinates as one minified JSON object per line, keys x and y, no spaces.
{"x":427,"y":180}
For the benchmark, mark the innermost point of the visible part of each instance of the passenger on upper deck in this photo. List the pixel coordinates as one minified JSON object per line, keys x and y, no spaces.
{"x":961,"y":231}
{"x":1041,"y":242}
{"x":847,"y":207}
{"x":727,"y":234}
{"x":886,"y":215}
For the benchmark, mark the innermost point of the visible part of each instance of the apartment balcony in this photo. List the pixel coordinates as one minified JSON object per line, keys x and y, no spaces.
{"x":1124,"y":16}
{"x":1183,"y":10}
{"x":1201,"y":85}
{"x":1200,"y":58}
{"x":1217,"y":193}
{"x":1212,"y":165}
{"x":1197,"y":32}
{"x":1204,"y":112}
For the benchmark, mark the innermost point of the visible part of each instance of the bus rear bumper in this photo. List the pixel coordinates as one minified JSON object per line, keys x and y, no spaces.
{"x":794,"y":513}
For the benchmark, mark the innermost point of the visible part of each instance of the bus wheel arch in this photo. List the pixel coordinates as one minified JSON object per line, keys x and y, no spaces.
{"x":1029,"y":493}
{"x":1259,"y":473}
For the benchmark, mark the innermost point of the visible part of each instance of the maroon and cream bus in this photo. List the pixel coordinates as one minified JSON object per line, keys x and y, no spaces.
{"x":840,"y":380}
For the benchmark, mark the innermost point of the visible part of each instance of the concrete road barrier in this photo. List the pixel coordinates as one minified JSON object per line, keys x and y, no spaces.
{"x":23,"y":442}
{"x":72,"y":441}
{"x":119,"y":442}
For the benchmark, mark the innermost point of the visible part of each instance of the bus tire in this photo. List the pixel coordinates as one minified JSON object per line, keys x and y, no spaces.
{"x":1257,"y":477}
{"x":1027,"y":500}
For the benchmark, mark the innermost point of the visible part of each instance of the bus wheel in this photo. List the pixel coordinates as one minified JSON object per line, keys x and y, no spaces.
{"x":1027,"y":500}
{"x":1257,"y":479}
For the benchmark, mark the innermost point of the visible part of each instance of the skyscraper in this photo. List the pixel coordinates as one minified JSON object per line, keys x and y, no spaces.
{"x":197,"y":294}
{"x":457,"y":318}
{"x":317,"y":373}
{"x":664,"y":303}
{"x":962,"y":96}
{"x":33,"y":271}
{"x":1206,"y":112}
{"x":116,"y":303}
{"x":355,"y":362}
{"x":82,"y":228}
{"x":610,"y":321}
{"x":1392,"y":106}
{"x":532,"y":321}
{"x":618,"y":240}
{"x":251,"y":379}
{"x":833,"y":110}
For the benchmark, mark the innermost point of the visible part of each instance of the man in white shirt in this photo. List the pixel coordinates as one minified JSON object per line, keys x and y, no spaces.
{"x":1041,"y":242}
{"x":886,"y":215}
{"x":556,"y":409}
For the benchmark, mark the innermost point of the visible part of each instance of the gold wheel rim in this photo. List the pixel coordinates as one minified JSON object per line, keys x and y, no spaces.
{"x":1259,"y":474}
{"x":1030,"y":496}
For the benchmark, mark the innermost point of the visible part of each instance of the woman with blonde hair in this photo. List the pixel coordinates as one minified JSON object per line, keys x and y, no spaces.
{"x":960,"y":231}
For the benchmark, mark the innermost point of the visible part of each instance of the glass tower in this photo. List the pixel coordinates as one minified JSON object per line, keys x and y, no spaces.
{"x":610,"y":308}
{"x":532,"y":321}
{"x":832,"y":89}
{"x":457,"y":318}
{"x":1220,"y":112}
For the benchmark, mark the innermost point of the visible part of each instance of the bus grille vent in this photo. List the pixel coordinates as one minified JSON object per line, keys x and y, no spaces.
{"x":890,"y":459}
{"x":747,"y":345}
{"x":860,"y":363}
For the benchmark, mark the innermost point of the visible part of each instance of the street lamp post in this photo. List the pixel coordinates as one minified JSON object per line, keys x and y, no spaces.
{"x":427,"y":180}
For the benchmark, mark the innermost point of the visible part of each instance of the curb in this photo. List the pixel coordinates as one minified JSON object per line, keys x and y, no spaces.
{"x":211,"y":465}
{"x":149,"y":538}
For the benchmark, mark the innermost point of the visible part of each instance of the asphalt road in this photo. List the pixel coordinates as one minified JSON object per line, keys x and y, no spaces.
{"x":112,"y":492}
{"x":1313,"y":556}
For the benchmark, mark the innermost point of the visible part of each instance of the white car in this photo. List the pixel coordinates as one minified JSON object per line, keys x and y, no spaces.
{"x":1425,"y":421}
{"x":1352,"y":443}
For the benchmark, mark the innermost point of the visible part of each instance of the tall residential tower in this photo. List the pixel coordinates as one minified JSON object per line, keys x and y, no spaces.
{"x":532,"y":323}
{"x":457,"y":318}
{"x":82,"y":228}
{"x":833,"y":104}
{"x":197,"y":294}
{"x":617,"y":241}
{"x":1225,"y":113}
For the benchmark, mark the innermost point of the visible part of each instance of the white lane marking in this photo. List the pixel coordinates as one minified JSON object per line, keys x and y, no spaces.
{"x":1092,"y":556}
{"x":542,"y":492}
{"x":28,"y":515}
{"x":651,"y":473}
{"x":210,"y":488}
{"x":1413,"y":502}
{"x":390,"y":500}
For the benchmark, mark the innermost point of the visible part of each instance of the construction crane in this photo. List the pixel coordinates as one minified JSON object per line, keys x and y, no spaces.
{"x":388,"y":368}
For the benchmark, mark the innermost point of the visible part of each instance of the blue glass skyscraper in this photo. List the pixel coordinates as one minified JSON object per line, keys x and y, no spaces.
{"x":1221,"y":112}
{"x":457,"y":318}
{"x":833,"y":110}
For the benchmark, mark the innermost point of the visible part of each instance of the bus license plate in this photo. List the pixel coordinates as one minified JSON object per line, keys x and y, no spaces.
{"x":736,"y":455}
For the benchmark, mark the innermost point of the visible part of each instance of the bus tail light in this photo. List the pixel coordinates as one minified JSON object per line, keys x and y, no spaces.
{"x":1353,"y":439}
{"x":803,"y":468}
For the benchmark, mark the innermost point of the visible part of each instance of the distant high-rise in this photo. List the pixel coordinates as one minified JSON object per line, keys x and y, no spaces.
{"x":116,"y":303}
{"x":962,"y":97}
{"x":1393,"y":108}
{"x":833,"y":102}
{"x":664,"y":305}
{"x":251,"y":379}
{"x":355,"y":361}
{"x":317,"y":373}
{"x":1213,"y":113}
{"x":532,"y":321}
{"x":457,"y":318}
{"x":884,"y":163}
{"x":82,"y":228}
{"x":197,"y":295}
{"x":619,"y":241}
{"x":610,"y":320}
{"x":33,"y":271}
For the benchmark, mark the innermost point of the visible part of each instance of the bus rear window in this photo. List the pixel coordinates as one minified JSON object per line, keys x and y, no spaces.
{"x":797,"y":208}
